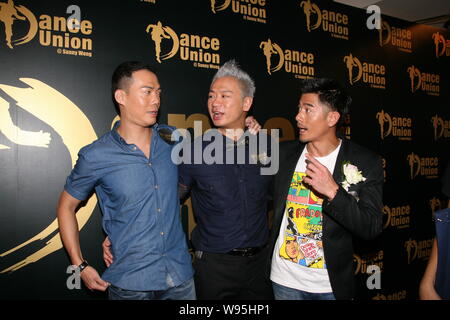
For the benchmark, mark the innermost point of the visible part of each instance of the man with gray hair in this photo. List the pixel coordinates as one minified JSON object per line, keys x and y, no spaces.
{"x":229,"y":196}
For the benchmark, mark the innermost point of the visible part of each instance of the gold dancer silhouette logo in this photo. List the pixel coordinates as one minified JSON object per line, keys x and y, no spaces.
{"x":439,"y":43}
{"x":435,"y":204}
{"x":310,"y":9}
{"x":414,"y":164}
{"x":215,"y":7}
{"x":414,"y":73}
{"x":384,"y":27}
{"x":352,"y":62}
{"x":9,"y":13}
{"x":158,"y":32}
{"x":54,"y":109}
{"x":438,"y":122}
{"x":270,"y":48}
{"x":411,"y":249}
{"x":384,"y":118}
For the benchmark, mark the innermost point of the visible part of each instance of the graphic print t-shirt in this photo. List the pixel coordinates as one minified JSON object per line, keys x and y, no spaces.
{"x":298,"y":261}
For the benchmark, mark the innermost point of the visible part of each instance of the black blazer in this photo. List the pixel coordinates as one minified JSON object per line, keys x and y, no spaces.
{"x":344,"y":216}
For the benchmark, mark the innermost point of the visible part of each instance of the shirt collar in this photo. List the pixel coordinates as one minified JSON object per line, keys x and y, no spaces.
{"x":116,"y":136}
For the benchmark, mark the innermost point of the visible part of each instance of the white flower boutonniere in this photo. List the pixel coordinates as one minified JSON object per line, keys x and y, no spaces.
{"x":352,"y":175}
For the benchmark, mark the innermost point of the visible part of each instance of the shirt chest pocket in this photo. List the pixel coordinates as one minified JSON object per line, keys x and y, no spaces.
{"x":212,"y":190}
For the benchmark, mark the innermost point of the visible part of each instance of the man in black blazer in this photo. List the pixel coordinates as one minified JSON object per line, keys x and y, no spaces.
{"x":327,"y":191}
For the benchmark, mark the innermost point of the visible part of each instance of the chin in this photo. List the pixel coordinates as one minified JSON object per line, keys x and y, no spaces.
{"x":303,"y":139}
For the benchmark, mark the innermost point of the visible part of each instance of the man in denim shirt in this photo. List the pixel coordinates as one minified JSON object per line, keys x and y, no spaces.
{"x":136,"y":182}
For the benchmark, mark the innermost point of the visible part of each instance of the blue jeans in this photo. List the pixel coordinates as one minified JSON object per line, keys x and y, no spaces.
{"x":284,"y":293}
{"x":185,"y":291}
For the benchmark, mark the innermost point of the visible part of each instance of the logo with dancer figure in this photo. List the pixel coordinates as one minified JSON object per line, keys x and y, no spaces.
{"x":299,"y":63}
{"x":441,"y":127}
{"x":426,"y":167}
{"x":369,"y":73}
{"x":51,"y":107}
{"x":158,"y":33}
{"x":251,"y":11}
{"x":414,"y":164}
{"x":311,"y":9}
{"x":426,"y":82}
{"x":335,"y":23}
{"x":419,"y":250}
{"x":270,"y":49}
{"x":397,"y":37}
{"x":398,"y":217}
{"x":384,"y":118}
{"x":203,"y":51}
{"x":441,"y":45}
{"x":414,"y":73}
{"x":352,"y":62}
{"x":400,"y":127}
{"x":11,"y":16}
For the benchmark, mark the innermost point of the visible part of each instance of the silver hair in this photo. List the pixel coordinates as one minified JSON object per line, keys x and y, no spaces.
{"x":232,"y":69}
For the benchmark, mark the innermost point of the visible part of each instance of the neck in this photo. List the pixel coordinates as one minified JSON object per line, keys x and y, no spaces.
{"x":233,"y":134}
{"x":322,"y":148}
{"x":134,"y":134}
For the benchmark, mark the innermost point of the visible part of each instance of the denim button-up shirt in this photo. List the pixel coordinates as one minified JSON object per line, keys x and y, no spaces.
{"x":139,"y":200}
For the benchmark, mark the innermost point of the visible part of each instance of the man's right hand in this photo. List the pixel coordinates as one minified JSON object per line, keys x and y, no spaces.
{"x":92,"y":279}
{"x":107,"y":254}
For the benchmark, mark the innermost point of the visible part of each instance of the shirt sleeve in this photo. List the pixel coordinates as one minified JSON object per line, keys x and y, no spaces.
{"x":82,"y":179}
{"x":184,"y":178}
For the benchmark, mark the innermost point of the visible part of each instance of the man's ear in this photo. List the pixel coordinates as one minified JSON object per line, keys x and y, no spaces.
{"x":120,"y":96}
{"x":247,"y":104}
{"x":333,"y":118}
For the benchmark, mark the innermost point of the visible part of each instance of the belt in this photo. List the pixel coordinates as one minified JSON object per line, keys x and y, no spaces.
{"x":245,"y":252}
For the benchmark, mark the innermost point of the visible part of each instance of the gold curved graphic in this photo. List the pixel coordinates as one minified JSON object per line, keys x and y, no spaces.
{"x":222,"y":7}
{"x":175,"y":41}
{"x":33,"y":26}
{"x":53,"y":108}
{"x":281,"y":55}
{"x":358,"y":261}
{"x":384,"y":26}
{"x":387,"y":212}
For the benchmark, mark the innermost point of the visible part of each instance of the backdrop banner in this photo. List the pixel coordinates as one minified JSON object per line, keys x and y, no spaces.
{"x":56,"y":62}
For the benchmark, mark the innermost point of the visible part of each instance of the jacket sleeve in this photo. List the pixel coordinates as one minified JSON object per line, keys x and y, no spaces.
{"x":361,"y":215}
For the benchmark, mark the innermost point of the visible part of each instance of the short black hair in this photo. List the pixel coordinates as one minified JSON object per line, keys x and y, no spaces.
{"x":331,"y":93}
{"x":122,"y":75}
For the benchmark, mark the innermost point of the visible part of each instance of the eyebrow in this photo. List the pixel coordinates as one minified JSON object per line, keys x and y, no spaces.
{"x":149,"y":87}
{"x":220,"y":91}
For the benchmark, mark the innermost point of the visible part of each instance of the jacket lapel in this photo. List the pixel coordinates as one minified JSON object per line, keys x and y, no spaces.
{"x":342,"y":156}
{"x":287,"y":169}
